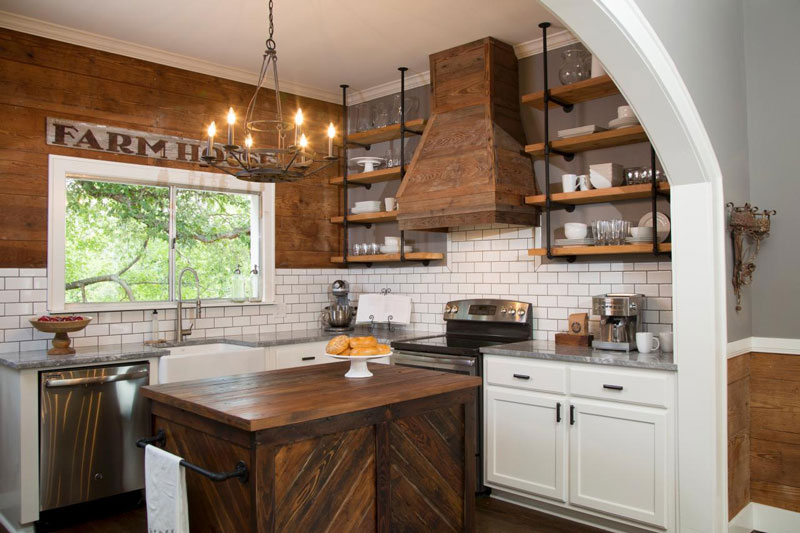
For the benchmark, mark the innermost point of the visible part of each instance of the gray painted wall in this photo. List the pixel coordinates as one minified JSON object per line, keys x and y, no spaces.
{"x":772,"y":45}
{"x":709,"y":54}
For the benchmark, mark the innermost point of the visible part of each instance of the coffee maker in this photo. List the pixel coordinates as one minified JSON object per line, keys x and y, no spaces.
{"x":620,"y":320}
{"x":339,"y":315}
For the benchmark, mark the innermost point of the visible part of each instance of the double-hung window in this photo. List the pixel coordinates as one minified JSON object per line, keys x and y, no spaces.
{"x":120,"y":234}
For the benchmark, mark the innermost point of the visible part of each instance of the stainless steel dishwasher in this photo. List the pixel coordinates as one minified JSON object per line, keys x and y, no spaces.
{"x":89,"y":421}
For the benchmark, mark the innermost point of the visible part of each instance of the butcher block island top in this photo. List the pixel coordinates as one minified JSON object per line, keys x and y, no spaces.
{"x":326,"y":453}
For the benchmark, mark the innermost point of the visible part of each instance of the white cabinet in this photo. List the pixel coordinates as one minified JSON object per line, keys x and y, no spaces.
{"x":525,"y":444}
{"x":618,"y":460}
{"x":611,"y":455}
{"x":303,"y":354}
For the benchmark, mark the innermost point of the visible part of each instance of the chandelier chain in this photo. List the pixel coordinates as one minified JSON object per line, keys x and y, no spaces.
{"x":270,"y":40}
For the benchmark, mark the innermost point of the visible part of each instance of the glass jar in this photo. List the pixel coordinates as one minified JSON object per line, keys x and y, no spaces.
{"x":238,"y":283}
{"x":255,"y":285}
{"x":575,"y":66}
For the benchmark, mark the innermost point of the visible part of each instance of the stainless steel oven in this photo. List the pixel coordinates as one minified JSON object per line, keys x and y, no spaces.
{"x":90,"y":419}
{"x":471,"y":324}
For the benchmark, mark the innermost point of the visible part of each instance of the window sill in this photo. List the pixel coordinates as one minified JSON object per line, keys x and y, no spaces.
{"x":138,"y":306}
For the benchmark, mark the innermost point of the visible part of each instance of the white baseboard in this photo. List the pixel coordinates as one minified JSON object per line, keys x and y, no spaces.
{"x":6,"y":523}
{"x":764,"y":345}
{"x":759,"y":517}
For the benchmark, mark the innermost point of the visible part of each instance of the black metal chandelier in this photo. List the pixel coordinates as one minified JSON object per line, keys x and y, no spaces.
{"x":281,"y":164}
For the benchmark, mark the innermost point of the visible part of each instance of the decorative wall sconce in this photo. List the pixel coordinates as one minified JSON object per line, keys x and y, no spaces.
{"x":746,"y":221}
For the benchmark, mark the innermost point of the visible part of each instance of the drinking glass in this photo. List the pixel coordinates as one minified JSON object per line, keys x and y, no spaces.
{"x":364,"y":117}
{"x":394,"y":110}
{"x":381,"y":117}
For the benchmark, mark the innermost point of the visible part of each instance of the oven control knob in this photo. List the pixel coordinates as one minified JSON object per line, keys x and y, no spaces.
{"x":521,"y":313}
{"x":503,"y":310}
{"x":448,"y":309}
{"x":512,"y":312}
{"x":454,"y":309}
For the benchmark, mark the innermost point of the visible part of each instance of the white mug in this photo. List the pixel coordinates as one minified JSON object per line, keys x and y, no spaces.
{"x":583,"y":182}
{"x":569,"y":182}
{"x":390,"y":203}
{"x":666,"y":341}
{"x":625,"y":111}
{"x":646,"y":342}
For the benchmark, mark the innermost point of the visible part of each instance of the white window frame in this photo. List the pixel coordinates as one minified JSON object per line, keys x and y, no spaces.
{"x":62,"y":168}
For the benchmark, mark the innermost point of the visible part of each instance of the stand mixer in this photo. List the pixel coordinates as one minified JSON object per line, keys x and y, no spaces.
{"x":339,"y":315}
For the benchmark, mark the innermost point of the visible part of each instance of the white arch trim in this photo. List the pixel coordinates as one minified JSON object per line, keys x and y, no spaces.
{"x":619,"y":33}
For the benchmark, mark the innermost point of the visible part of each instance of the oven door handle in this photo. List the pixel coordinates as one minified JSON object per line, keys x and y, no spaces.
{"x":410,"y":357}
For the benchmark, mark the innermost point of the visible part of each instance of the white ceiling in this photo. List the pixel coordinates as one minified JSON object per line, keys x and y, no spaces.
{"x":320,"y":43}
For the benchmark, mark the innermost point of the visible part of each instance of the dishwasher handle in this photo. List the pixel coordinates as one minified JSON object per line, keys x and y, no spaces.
{"x":96,"y":380}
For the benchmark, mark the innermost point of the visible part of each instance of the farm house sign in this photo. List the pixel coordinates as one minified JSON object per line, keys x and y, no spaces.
{"x":99,"y":138}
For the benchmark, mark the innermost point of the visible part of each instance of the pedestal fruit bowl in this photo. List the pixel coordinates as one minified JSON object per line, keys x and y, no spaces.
{"x":60,"y":325}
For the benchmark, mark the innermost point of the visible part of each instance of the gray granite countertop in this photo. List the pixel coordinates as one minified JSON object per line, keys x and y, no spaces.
{"x":38,"y":359}
{"x":582,"y":354}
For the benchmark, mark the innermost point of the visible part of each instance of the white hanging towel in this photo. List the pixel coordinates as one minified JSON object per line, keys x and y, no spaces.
{"x":382,"y":306}
{"x":165,"y":486}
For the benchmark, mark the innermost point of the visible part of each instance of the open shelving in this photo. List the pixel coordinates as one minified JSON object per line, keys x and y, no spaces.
{"x":366,"y":179}
{"x":566,"y":97}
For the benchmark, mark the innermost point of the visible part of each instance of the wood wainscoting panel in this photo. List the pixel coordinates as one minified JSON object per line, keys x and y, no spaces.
{"x":327,"y":483}
{"x":419,"y":480}
{"x":738,"y":434}
{"x":775,"y":430}
{"x":43,"y":78}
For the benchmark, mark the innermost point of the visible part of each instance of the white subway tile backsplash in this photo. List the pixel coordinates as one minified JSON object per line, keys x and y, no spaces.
{"x":19,"y":283}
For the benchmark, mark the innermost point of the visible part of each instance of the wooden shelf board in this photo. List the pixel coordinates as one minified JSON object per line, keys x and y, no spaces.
{"x":596,"y":196}
{"x":593,"y":141}
{"x":582,"y":91}
{"x":602,"y":250}
{"x":376,"y":176}
{"x":389,"y":258}
{"x":367,"y":218}
{"x":387,"y":133}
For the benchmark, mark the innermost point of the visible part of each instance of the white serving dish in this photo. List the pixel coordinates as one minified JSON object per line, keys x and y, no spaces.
{"x":390,"y":249}
{"x":580,"y":130}
{"x":642,"y":232}
{"x":368,"y":204}
{"x":624,"y":122}
{"x":588,"y":241}
{"x":392,"y":241}
{"x":369,"y":163}
{"x":663,"y":226}
{"x":358,"y":363}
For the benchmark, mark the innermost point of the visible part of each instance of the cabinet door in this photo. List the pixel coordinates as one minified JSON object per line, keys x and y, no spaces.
{"x":525,"y":442}
{"x":618,"y":460}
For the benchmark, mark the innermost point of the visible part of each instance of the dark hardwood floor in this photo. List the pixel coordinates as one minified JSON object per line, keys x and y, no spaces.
{"x":493,"y":516}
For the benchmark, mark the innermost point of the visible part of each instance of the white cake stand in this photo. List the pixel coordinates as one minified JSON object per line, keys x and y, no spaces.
{"x":358,"y":364}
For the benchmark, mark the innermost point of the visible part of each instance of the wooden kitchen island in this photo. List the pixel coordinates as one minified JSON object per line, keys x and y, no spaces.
{"x":394,"y":452}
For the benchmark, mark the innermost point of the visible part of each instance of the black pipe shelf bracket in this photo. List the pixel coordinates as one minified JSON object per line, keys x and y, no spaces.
{"x":240,"y":469}
{"x":548,"y":204}
{"x":345,"y":225}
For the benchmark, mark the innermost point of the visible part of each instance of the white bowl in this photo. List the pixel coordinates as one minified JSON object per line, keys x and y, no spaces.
{"x":388,"y":249}
{"x":392,"y":241}
{"x":575,"y":230}
{"x":625,"y":111}
{"x":641,"y":232}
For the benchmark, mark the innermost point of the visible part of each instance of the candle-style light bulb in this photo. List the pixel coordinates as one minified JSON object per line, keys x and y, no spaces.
{"x":303,"y":141}
{"x":212,"y":130}
{"x":331,"y":135}
{"x":231,"y":121}
{"x":298,"y":121}
{"x":248,"y":142}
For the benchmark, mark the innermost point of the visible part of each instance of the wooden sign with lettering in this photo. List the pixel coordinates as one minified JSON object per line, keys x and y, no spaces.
{"x":86,"y":136}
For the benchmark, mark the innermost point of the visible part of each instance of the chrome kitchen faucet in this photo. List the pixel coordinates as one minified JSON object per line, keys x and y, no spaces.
{"x":180,"y":333}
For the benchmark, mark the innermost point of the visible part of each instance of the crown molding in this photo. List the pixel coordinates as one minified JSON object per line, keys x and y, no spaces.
{"x":534,"y":46}
{"x":41,"y":28}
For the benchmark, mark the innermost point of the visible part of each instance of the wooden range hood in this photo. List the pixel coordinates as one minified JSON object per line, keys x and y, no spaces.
{"x":470,"y":167}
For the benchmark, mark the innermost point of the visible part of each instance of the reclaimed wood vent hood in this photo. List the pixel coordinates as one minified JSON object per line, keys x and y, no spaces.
{"x":470,"y":167}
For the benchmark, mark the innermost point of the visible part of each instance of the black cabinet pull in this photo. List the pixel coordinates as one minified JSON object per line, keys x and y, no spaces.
{"x":558,"y":412}
{"x":613,"y":387}
{"x":309,"y":358}
{"x":571,"y":415}
{"x":521,"y":376}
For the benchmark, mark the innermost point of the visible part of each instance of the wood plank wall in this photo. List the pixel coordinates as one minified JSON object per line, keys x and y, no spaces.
{"x":738,"y":434}
{"x":764,"y":431}
{"x":41,"y":77}
{"x":775,"y":430}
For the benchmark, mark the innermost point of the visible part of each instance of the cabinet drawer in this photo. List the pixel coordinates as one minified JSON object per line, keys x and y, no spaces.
{"x":526,"y":374}
{"x":632,"y":386}
{"x":309,"y":353}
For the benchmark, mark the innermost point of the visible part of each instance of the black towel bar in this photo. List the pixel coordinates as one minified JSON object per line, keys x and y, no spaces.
{"x":160,"y":439}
